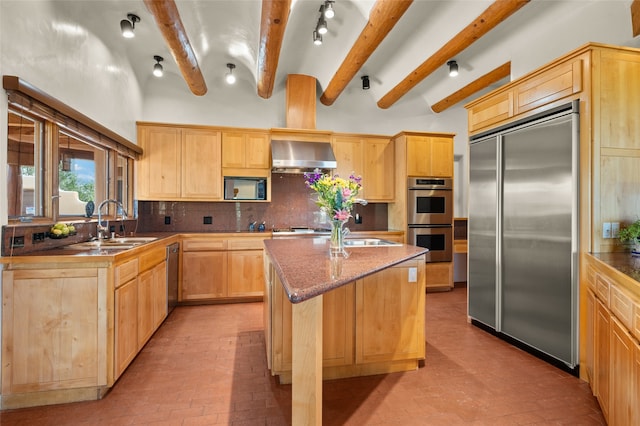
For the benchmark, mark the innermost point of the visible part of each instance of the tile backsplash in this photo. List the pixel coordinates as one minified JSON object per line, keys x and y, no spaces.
{"x":291,"y":205}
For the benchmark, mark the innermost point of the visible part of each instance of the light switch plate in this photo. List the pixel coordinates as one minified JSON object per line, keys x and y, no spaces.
{"x":413,"y":275}
{"x":606,"y":230}
{"x":615,"y":229}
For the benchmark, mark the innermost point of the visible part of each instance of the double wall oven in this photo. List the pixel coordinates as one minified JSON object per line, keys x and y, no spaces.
{"x":430,"y":216}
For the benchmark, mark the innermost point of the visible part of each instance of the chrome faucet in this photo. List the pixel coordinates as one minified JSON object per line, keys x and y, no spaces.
{"x":101,"y":228}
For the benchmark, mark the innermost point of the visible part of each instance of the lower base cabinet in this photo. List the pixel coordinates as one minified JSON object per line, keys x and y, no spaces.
{"x":439,"y":276}
{"x":126,"y":325}
{"x":64,"y":360}
{"x":613,"y":344}
{"x":371,"y":326}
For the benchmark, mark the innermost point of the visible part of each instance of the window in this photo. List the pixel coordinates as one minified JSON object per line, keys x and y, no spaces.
{"x":24,"y":160}
{"x":81,"y":175}
{"x":59,"y":160}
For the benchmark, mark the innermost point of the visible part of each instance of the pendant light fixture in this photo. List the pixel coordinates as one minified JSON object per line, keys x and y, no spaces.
{"x":158,"y":71}
{"x":453,"y":68}
{"x":230,"y":78}
{"x":128,"y":25}
{"x":321,"y":28}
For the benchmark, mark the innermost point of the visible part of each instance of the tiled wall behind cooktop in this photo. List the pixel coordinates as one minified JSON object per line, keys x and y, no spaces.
{"x":291,"y":205}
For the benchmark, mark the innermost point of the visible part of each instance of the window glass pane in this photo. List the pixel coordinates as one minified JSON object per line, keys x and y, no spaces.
{"x":81,"y":175}
{"x":122,"y":182}
{"x":24,"y":156}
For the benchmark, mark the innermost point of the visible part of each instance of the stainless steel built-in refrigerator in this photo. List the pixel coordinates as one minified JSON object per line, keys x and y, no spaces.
{"x":523,"y":230}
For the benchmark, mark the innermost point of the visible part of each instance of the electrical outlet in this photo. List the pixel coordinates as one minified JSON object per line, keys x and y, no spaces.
{"x":207,"y":220}
{"x":167,"y":220}
{"x":615,"y":229}
{"x":413,"y":275}
{"x":17,"y":241}
{"x":606,"y":230}
{"x":357,"y":218}
{"x":37,"y":237}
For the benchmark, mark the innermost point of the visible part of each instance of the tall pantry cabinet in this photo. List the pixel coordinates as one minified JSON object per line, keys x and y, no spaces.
{"x":605,"y":80}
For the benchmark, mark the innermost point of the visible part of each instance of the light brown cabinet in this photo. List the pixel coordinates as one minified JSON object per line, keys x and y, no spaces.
{"x":371,"y":157}
{"x":614,"y":346}
{"x":67,"y":358}
{"x":179,"y":163}
{"x":372,"y":326}
{"x":245,"y":150}
{"x":217,"y":268}
{"x":140,"y":299}
{"x":429,"y":156}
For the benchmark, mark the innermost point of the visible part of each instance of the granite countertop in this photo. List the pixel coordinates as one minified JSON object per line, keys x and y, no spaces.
{"x":623,"y":262}
{"x":306,"y":271}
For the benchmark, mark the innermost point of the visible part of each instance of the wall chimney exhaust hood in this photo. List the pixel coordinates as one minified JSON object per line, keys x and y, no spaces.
{"x":297,"y":157}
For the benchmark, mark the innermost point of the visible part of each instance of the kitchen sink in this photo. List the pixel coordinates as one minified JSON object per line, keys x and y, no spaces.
{"x":369,"y":242}
{"x":123,"y":243}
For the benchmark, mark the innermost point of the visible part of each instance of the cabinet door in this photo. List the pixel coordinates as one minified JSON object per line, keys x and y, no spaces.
{"x":348,"y":152}
{"x":378,"y":169}
{"x":201,"y":165}
{"x":590,"y":338}
{"x":246,"y":273}
{"x":53,"y":329}
{"x":390,"y":314}
{"x":623,"y":381}
{"x":430,"y":156}
{"x":233,"y":149}
{"x":126,"y":325}
{"x":602,"y":362}
{"x":257,"y":151}
{"x":159,"y":294}
{"x":159,"y":168}
{"x":145,"y":307}
{"x":204,"y":275}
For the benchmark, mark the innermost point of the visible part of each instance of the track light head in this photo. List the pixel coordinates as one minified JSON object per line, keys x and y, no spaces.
{"x":453,"y":68}
{"x":322,"y":26}
{"x":230,"y":78}
{"x":128,"y":25}
{"x":365,"y":82}
{"x":329,"y":12}
{"x":317,"y":38}
{"x":158,"y":71}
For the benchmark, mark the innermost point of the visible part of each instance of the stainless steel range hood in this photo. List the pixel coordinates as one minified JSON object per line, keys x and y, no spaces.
{"x":296,"y":156}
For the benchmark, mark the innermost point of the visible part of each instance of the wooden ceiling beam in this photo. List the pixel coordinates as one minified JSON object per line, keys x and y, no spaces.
{"x":165,"y":13}
{"x":486,"y":80}
{"x":384,"y":15}
{"x":635,"y":17}
{"x":489,"y":19}
{"x":275,"y":14}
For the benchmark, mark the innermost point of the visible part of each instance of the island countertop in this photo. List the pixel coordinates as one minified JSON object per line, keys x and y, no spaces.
{"x":306,"y":270}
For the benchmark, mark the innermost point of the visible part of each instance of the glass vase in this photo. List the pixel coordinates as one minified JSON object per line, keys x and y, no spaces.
{"x":336,"y":242}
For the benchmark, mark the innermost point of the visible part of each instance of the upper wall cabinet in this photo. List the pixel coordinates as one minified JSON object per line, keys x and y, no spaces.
{"x":245,"y":150}
{"x":429,"y":156}
{"x":373,"y":158}
{"x":179,"y":164}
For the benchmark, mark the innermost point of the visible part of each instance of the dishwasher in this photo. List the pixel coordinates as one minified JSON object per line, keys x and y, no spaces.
{"x":173,"y":251}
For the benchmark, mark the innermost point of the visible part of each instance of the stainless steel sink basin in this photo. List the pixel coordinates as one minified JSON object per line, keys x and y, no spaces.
{"x":123,"y":243}
{"x":369,"y":242}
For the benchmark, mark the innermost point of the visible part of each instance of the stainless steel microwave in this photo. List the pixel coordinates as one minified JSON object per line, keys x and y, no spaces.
{"x":245,"y":188}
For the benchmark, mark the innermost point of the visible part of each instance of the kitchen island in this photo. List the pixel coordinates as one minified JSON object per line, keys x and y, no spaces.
{"x":375,"y":302}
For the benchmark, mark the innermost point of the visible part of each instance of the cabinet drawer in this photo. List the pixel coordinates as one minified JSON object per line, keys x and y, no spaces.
{"x":491,"y":111}
{"x":622,"y":306}
{"x":126,"y":272}
{"x":152,"y":257}
{"x":204,"y":244}
{"x":602,"y":289}
{"x":246,"y":244}
{"x":559,"y":82}
{"x":591,"y":278}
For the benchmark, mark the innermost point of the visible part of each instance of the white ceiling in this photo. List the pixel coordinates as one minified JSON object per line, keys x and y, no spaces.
{"x":223,"y":31}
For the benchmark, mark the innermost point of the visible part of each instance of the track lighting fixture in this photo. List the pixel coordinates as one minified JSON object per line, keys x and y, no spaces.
{"x":329,"y":12}
{"x":321,"y":28}
{"x":230,"y":78}
{"x":128,"y":25}
{"x":453,"y":68}
{"x":365,"y":82}
{"x":158,"y":71}
{"x":317,"y":38}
